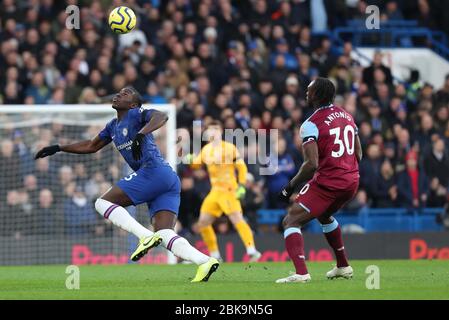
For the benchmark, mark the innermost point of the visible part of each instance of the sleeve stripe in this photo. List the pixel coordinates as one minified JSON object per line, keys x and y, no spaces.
{"x":308,"y":139}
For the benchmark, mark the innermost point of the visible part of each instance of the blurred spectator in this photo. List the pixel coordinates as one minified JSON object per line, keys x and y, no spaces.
{"x":80,"y":217}
{"x":385,"y":190}
{"x":11,"y":95}
{"x":425,"y":133}
{"x":65,"y":178}
{"x":189,"y":208}
{"x":88,"y":96}
{"x":31,"y":187}
{"x":50,"y":71}
{"x":377,"y":65}
{"x":72,"y":89}
{"x":38,"y":90}
{"x":392,"y":11}
{"x":436,"y":163}
{"x":412,"y":183}
{"x":152,"y":94}
{"x":10,"y":211}
{"x":322,"y":58}
{"x":442,"y":95}
{"x":49,"y":221}
{"x":370,"y":167}
{"x":253,"y":201}
{"x":438,"y":194}
{"x":9,"y":166}
{"x":43,"y":173}
{"x":286,"y":169}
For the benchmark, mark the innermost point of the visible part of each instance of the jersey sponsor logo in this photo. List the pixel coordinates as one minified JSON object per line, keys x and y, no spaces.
{"x":124,"y":145}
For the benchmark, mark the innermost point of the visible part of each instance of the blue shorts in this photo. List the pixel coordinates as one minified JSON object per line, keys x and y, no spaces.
{"x":158,"y":187}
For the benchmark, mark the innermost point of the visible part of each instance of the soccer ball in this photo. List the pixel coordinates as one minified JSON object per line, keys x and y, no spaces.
{"x":122,"y":20}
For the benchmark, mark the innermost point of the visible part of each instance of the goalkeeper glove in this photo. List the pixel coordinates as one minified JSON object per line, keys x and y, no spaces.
{"x":47,"y":151}
{"x":136,"y":146}
{"x":286,"y":193}
{"x":240,"y":193}
{"x":188,"y":159}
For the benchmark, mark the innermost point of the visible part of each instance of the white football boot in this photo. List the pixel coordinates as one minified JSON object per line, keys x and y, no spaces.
{"x":295,"y":278}
{"x":255,"y":256}
{"x":343,"y":272}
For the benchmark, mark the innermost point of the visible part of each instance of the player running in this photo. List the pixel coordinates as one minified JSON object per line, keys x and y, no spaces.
{"x":332,"y":151}
{"x":222,"y":159}
{"x":154,"y":182}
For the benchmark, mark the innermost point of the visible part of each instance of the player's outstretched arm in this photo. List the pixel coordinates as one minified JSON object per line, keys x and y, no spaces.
{"x":82,"y":147}
{"x":305,"y":173}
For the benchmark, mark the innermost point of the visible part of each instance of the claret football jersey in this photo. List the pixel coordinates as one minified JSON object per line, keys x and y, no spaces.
{"x":334,"y":131}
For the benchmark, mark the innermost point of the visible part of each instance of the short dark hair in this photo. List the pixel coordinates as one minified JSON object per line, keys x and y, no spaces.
{"x":137,"y":97}
{"x":324,"y":91}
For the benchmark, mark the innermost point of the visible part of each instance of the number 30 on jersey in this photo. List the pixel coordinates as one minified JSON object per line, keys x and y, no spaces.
{"x":346,"y":144}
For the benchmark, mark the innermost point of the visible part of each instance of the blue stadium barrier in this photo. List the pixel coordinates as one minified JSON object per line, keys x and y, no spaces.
{"x":371,"y":220}
{"x":271,"y":217}
{"x":391,"y":23}
{"x":392,"y":34}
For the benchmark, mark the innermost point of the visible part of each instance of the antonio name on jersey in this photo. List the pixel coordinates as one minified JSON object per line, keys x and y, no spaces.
{"x":337,"y":115}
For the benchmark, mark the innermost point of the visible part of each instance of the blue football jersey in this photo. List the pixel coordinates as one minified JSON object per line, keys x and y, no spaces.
{"x":122,"y":133}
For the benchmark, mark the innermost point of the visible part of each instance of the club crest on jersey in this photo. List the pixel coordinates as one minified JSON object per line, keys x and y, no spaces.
{"x":125,"y":132}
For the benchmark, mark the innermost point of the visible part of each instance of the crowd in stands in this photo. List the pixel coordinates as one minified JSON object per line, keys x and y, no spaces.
{"x":246,"y":63}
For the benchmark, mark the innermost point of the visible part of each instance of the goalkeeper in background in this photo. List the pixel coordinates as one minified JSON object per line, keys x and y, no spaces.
{"x":222,"y":159}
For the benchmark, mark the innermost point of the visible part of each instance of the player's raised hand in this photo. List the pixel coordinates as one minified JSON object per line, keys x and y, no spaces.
{"x":136,"y":146}
{"x":286,"y":192}
{"x":47,"y":151}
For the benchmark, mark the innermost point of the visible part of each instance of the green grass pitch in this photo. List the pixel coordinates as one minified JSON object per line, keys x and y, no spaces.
{"x":398,"y":280}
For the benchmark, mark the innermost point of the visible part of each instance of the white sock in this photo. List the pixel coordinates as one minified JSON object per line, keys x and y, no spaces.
{"x":181,"y":247}
{"x":251,"y":250}
{"x":215,"y":254}
{"x":121,"y":218}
